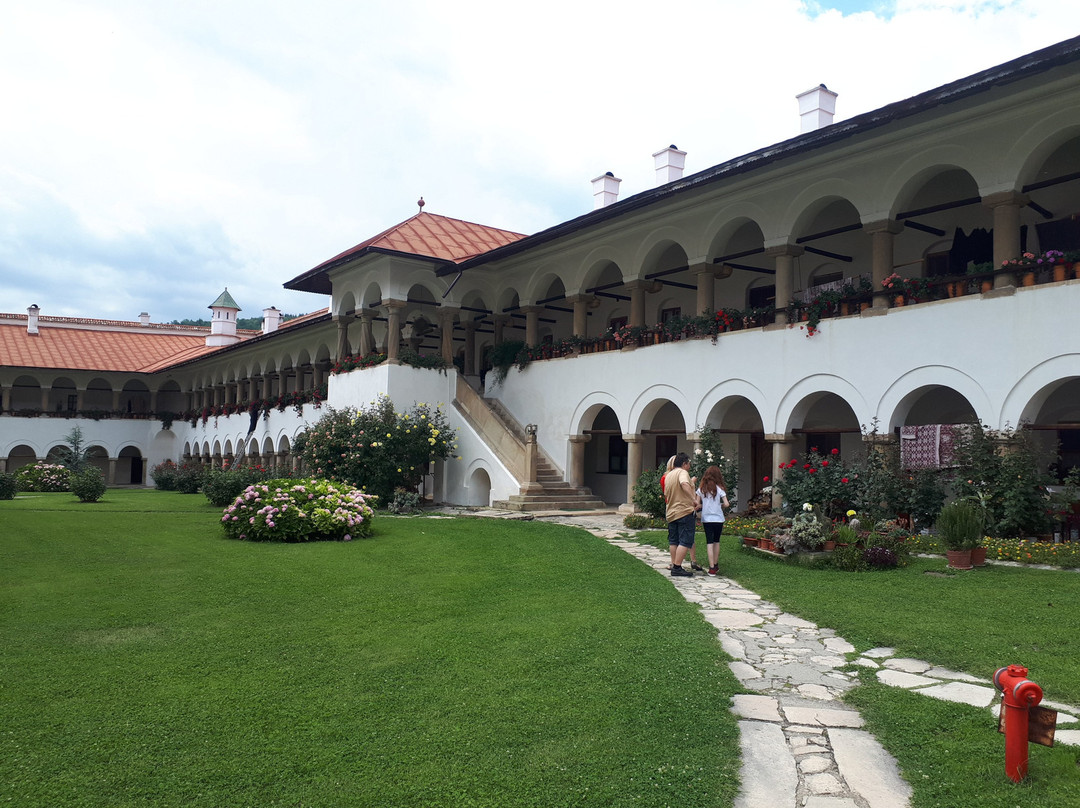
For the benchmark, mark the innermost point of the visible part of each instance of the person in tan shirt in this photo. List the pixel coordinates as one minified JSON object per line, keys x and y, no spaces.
{"x":682,"y":503}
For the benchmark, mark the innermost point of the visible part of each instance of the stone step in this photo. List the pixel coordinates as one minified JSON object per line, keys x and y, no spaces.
{"x":550,"y":504}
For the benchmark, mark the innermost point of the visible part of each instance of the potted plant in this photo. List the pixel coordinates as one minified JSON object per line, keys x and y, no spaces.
{"x":985,"y":273}
{"x":960,"y":528}
{"x":807,"y":530}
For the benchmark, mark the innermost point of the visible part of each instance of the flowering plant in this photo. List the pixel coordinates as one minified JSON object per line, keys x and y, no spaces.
{"x":299,"y":510}
{"x":43,"y":476}
{"x":914,"y":288}
{"x":1048,"y":258}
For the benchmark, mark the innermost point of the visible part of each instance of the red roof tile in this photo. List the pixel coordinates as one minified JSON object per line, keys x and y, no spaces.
{"x":97,"y":349}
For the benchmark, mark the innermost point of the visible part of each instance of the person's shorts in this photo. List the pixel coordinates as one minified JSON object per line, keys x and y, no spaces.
{"x":681,"y":531}
{"x":713,"y":531}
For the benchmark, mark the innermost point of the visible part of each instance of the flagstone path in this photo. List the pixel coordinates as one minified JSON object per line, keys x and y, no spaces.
{"x":801,"y":745}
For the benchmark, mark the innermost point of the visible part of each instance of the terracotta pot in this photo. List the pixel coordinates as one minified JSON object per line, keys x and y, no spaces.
{"x":978,"y":557}
{"x":1076,"y":270}
{"x":898,"y":301}
{"x":1059,"y":272}
{"x":959,"y":559}
{"x":845,"y":309}
{"x":986,"y":286}
{"x":828,"y":546}
{"x":1027,"y":279}
{"x":864,"y":305}
{"x":749,"y":541}
{"x":767,"y":544}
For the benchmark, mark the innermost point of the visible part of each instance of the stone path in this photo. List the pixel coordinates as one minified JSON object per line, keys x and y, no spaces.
{"x":801,"y":745}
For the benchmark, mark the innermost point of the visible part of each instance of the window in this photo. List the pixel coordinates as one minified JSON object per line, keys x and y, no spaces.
{"x":937,"y":265}
{"x":617,"y":453}
{"x":666,"y":446}
{"x":761,"y":296}
{"x":617,"y":322}
{"x":73,"y":402}
{"x":669,"y":314}
{"x":824,"y":442}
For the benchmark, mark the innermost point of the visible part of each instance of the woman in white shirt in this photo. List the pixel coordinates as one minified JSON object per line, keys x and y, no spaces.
{"x":713,"y":501}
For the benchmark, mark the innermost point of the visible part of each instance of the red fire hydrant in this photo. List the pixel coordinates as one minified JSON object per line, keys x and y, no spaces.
{"x":1019,"y":694}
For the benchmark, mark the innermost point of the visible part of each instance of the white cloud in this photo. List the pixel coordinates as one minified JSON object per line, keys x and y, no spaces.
{"x":151,"y":154}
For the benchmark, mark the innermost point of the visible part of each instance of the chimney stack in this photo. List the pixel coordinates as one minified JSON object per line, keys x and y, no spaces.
{"x":271,"y":320}
{"x":605,"y":190}
{"x":32,"y":320}
{"x":144,"y":318}
{"x":669,"y":164}
{"x":816,"y":108}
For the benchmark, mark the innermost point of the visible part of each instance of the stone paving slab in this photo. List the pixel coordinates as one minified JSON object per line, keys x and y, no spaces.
{"x":768,"y":774}
{"x":868,"y":769}
{"x":962,"y":692}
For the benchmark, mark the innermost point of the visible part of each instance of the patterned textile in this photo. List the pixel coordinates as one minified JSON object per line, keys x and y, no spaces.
{"x":930,"y":446}
{"x":919,"y":447}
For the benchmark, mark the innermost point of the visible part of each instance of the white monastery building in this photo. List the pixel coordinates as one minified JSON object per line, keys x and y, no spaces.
{"x":852,"y":276}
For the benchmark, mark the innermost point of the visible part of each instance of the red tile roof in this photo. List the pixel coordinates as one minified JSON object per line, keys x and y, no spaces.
{"x":106,"y":345}
{"x":426,"y":235}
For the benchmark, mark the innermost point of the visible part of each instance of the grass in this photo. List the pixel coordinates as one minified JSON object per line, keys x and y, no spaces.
{"x":975,"y":622}
{"x":146,"y":660}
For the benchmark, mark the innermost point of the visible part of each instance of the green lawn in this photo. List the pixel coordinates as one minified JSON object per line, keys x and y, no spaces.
{"x":145,"y":660}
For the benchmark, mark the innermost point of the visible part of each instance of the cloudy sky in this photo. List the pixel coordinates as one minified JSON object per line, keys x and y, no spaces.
{"x":152,"y":153}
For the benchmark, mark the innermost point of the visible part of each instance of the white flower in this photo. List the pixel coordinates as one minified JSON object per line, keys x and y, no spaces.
{"x":807,"y":506}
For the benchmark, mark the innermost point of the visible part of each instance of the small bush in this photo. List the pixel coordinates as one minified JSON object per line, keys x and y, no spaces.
{"x":42,"y":476}
{"x":8,"y":486}
{"x":88,"y":485}
{"x":405,"y":501}
{"x":641,"y":521}
{"x":189,"y":477}
{"x":880,"y":558}
{"x":849,"y":559}
{"x":222,"y":486}
{"x":164,"y":475}
{"x":648,"y":498}
{"x":299,"y":510}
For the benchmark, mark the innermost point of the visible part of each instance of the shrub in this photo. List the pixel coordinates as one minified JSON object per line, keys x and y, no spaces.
{"x":189,"y":477}
{"x":880,"y":558}
{"x":377,"y":448}
{"x":164,"y":475}
{"x":43,"y":476}
{"x":640,"y":521}
{"x":822,"y":481}
{"x":960,"y":525}
{"x":405,"y":501}
{"x":850,"y":559}
{"x":711,"y":453}
{"x":299,"y":510}
{"x":88,"y":485}
{"x":222,"y":486}
{"x":8,"y":486}
{"x":648,"y":498}
{"x":806,"y":529}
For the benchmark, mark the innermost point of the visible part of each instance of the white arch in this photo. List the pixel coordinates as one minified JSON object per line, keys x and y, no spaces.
{"x":793,"y":402}
{"x":590,"y":405}
{"x":650,"y":400}
{"x":731,"y":389}
{"x":896,"y":402}
{"x":1031,"y":390}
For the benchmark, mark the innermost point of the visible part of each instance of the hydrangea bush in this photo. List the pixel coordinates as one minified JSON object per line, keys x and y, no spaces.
{"x":42,"y":476}
{"x":299,"y":510}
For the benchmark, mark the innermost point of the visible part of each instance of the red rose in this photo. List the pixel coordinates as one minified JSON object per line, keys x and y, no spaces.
{"x":844,"y":480}
{"x":836,"y":451}
{"x":812,"y":471}
{"x":765,"y":479}
{"x":824,"y":463}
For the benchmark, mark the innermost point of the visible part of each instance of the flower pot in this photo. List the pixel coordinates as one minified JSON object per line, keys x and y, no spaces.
{"x":750,"y":541}
{"x":986,"y":286}
{"x":978,"y":557}
{"x":864,"y":305}
{"x":845,"y":309}
{"x":829,"y":546}
{"x":1028,"y":279}
{"x":1059,"y":272}
{"x":1076,"y":270}
{"x":767,"y":544}
{"x":898,"y":301}
{"x":959,"y":559}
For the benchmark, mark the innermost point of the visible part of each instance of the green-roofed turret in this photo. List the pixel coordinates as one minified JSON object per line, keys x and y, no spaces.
{"x":224,"y":301}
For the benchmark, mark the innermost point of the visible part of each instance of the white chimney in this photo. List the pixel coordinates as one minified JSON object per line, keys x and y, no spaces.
{"x":669,"y":164}
{"x":223,"y":321}
{"x":144,"y":318}
{"x":271,"y":320}
{"x":605,"y":190}
{"x":816,"y":108}
{"x":31,"y":320}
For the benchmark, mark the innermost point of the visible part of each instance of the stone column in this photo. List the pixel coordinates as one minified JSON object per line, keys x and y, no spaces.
{"x":1006,"y":207}
{"x":532,"y":324}
{"x":317,"y":375}
{"x":111,"y":479}
{"x":470,"y":348}
{"x":531,"y":451}
{"x":367,"y":339}
{"x":343,"y":347}
{"x":705,"y":273}
{"x":446,"y":333}
{"x":581,"y":314}
{"x":500,"y":321}
{"x":5,"y":399}
{"x":393,"y":329}
{"x":783,"y":451}
{"x":45,"y":399}
{"x":882,"y":237}
{"x":577,"y":459}
{"x":634,"y":446}
{"x":283,"y":381}
{"x":637,"y":302}
{"x":784,"y":255}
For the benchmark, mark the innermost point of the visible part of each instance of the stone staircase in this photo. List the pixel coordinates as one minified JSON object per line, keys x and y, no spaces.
{"x":507,"y":438}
